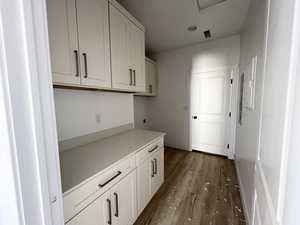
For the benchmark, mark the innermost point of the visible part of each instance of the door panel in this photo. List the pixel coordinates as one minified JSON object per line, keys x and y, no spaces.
{"x":143,"y":183}
{"x":123,"y":197}
{"x":157,"y":178}
{"x":121,"y":76}
{"x":93,"y":30}
{"x":210,"y":110}
{"x":137,"y":56}
{"x":97,"y":213}
{"x":63,"y":40}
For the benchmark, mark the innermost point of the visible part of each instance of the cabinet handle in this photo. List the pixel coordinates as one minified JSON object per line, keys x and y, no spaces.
{"x":117,"y":204}
{"x":155,"y":166}
{"x":85,"y":65}
{"x":134,"y":78}
{"x":115,"y":176}
{"x":152,"y":165}
{"x":76,"y":63}
{"x":109,"y":210}
{"x":153,"y":149}
{"x":131,"y":80}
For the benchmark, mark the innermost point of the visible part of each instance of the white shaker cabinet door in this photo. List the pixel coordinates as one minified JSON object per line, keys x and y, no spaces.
{"x":158,"y":170}
{"x":144,"y":173}
{"x":123,"y":196}
{"x":63,"y":41}
{"x":122,"y":74}
{"x":97,"y":213}
{"x":93,"y":31}
{"x":137,"y":57}
{"x":151,"y":77}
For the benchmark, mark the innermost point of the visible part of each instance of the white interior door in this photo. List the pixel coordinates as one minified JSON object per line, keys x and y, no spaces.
{"x":210,"y":101}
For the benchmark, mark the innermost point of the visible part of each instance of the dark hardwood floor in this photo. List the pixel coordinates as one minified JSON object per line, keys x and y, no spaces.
{"x":199,"y":189}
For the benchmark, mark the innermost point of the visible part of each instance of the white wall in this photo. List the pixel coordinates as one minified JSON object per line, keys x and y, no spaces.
{"x":291,"y":209}
{"x":247,"y":140}
{"x":170,"y":109}
{"x":78,"y":112}
{"x":268,"y":150}
{"x":142,"y":111}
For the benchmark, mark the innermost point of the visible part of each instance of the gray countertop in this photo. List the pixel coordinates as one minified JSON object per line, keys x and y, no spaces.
{"x":80,"y":163}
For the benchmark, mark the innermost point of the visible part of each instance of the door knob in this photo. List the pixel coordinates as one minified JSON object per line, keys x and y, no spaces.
{"x":195,"y":117}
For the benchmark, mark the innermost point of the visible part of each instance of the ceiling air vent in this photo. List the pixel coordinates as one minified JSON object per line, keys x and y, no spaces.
{"x":207,"y":34}
{"x":204,"y":4}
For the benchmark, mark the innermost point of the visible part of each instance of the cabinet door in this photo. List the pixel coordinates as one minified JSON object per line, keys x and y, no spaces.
{"x":93,"y":31}
{"x":144,"y":170}
{"x":150,"y":78}
{"x":158,"y":170}
{"x":97,"y":213}
{"x":123,"y":197}
{"x":121,"y":74}
{"x":63,"y":41}
{"x":137,"y":56}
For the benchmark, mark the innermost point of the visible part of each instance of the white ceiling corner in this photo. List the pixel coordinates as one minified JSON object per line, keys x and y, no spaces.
{"x":167,"y":21}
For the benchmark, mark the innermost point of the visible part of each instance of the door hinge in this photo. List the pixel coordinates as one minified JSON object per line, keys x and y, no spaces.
{"x":228,"y":146}
{"x":231,"y":81}
{"x":229,"y":114}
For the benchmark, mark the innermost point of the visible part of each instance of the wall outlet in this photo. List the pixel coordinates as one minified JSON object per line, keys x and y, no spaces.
{"x":98,"y":118}
{"x":144,"y":121}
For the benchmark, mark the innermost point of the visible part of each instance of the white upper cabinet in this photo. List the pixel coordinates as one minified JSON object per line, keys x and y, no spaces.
{"x":96,"y":44}
{"x":93,"y":34}
{"x":63,"y":40}
{"x":79,"y":42}
{"x":121,"y":72}
{"x":137,"y":54}
{"x":151,"y":78}
{"x":127,"y":52}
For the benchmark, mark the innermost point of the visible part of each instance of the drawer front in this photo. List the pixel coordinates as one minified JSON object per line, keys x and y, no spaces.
{"x":149,"y":150}
{"x":78,"y":199}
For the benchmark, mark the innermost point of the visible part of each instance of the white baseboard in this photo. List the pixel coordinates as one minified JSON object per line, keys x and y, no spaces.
{"x":243,"y":195}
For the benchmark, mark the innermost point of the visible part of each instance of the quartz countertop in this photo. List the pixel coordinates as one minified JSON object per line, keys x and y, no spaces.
{"x":80,"y":163}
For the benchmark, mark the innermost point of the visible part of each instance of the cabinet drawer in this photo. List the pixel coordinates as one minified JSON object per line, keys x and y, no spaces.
{"x":88,"y":191}
{"x":150,"y":149}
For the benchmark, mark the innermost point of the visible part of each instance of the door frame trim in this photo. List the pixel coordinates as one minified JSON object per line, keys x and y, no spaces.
{"x":27,"y":87}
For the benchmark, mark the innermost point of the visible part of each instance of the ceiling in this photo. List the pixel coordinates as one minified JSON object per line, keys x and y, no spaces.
{"x":166,"y":21}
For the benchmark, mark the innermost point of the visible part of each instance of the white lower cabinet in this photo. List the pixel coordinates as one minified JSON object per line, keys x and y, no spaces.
{"x":118,"y":195}
{"x":94,"y":214}
{"x":150,"y":176}
{"x":117,"y":206}
{"x":144,"y":183}
{"x":123,"y":197}
{"x":157,"y":174}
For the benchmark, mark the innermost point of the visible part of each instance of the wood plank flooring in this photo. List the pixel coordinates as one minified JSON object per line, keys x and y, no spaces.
{"x":199,"y":189}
